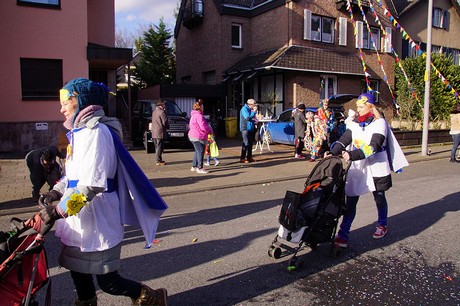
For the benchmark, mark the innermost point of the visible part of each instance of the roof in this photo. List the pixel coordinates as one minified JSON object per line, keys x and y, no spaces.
{"x":300,"y":58}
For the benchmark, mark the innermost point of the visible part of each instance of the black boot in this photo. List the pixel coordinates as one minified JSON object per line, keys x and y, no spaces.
{"x":152,"y":297}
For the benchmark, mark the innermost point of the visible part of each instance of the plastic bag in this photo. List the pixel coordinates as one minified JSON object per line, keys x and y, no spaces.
{"x":213,"y":149}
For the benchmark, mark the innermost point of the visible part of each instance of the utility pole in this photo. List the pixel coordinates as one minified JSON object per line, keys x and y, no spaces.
{"x":426,"y":105}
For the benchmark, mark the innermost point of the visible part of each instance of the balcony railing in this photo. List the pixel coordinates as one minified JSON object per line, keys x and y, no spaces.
{"x":193,"y":14}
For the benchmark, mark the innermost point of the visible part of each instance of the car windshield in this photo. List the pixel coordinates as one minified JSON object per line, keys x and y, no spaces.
{"x":172,"y":109}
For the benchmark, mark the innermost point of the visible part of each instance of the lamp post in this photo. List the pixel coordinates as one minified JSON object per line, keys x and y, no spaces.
{"x":426,"y":105}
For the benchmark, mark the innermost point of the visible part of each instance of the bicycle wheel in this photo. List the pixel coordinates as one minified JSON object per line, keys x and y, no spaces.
{"x":307,"y":144}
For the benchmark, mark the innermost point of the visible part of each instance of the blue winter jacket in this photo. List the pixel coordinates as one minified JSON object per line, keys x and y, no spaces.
{"x":247,"y":119}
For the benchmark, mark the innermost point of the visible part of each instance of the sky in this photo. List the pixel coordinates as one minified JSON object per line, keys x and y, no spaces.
{"x":130,"y":15}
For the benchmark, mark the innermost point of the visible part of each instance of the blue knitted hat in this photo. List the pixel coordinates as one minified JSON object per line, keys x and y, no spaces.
{"x":87,"y":92}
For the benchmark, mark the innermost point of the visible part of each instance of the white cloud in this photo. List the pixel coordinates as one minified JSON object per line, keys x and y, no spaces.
{"x":130,"y":14}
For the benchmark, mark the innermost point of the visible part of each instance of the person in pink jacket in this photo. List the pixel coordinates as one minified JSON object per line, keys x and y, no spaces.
{"x":198,"y":136}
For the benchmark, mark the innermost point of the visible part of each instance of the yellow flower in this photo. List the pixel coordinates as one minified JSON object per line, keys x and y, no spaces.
{"x":75,"y":203}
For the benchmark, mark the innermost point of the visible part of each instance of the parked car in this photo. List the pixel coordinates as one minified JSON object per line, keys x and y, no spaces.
{"x":142,"y":117}
{"x":282,"y":130}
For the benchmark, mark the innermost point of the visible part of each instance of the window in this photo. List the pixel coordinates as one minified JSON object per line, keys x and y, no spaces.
{"x":41,"y":79}
{"x":328,"y":86}
{"x":363,"y":39}
{"x":209,"y":77}
{"x":440,"y":18}
{"x":373,"y":40}
{"x":236,"y":35}
{"x":436,"y":49}
{"x":41,"y":3}
{"x":437,"y":17}
{"x":456,"y":56}
{"x":186,"y":79}
{"x":374,"y":84}
{"x":318,"y":28}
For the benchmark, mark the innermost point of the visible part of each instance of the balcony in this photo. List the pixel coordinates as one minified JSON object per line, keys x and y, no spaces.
{"x":193,"y":14}
{"x":342,"y":4}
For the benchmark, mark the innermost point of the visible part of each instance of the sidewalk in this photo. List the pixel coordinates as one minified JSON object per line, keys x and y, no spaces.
{"x":176,"y":177}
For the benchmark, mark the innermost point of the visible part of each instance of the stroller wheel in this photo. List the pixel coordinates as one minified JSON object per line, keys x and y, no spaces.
{"x":295,"y":264}
{"x":274,"y":252}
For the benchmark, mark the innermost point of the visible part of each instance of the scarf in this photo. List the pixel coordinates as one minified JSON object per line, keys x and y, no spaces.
{"x":365,"y":119}
{"x":84,"y":113}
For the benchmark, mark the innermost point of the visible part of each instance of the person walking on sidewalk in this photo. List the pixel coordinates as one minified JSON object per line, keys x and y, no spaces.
{"x":92,"y":208}
{"x":300,"y":126}
{"x":373,"y":154}
{"x":455,"y":132}
{"x":159,"y":127}
{"x":248,"y":130}
{"x":198,"y":135}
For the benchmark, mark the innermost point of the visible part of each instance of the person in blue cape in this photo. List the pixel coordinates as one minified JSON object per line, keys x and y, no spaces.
{"x":102,"y":190}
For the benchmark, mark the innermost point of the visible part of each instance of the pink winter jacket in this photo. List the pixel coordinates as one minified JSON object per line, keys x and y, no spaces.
{"x":199,"y":127}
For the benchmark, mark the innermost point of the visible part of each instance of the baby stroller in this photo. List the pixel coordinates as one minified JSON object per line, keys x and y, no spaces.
{"x":24,"y":268}
{"x":310,"y":218}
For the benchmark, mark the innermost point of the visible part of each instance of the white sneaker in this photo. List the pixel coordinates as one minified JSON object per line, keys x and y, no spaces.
{"x":216,"y":163}
{"x":202,"y":171}
{"x":193,"y":169}
{"x":206,"y":164}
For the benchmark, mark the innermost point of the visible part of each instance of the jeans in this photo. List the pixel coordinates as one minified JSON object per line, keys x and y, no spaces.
{"x":350,"y":212}
{"x":111,"y":283}
{"x":456,"y":139}
{"x":199,"y":154}
{"x":159,"y":147}
{"x":248,"y":141}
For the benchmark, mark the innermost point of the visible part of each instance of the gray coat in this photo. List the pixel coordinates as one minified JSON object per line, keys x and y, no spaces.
{"x":300,"y":124}
{"x":159,"y":123}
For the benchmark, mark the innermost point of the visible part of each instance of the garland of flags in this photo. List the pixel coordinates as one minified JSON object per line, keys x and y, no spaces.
{"x":416,"y":46}
{"x":385,"y":78}
{"x":397,"y":60}
{"x":361,"y":56}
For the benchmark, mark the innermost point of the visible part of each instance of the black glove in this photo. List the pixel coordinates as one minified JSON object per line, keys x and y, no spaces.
{"x":49,"y":214}
{"x":48,"y":198}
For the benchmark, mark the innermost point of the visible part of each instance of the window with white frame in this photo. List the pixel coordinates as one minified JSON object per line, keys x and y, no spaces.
{"x":328,"y":86}
{"x":318,"y":28}
{"x":42,"y":3}
{"x":237,"y":35}
{"x":375,"y":42}
{"x":41,"y":79}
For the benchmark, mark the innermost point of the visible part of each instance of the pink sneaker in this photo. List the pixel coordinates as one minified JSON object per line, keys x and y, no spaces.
{"x":380,"y":232}
{"x":340,"y":242}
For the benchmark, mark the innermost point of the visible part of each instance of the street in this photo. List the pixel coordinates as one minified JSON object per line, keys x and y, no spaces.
{"x":212,"y":249}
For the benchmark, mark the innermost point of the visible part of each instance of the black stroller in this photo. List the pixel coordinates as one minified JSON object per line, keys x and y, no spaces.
{"x":23,"y":268}
{"x":310,"y":218}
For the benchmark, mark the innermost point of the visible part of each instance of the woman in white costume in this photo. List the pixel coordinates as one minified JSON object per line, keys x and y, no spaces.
{"x":89,"y":199}
{"x":374,"y":153}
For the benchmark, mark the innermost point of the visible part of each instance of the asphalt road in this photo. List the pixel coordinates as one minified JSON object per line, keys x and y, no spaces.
{"x":212,"y":249}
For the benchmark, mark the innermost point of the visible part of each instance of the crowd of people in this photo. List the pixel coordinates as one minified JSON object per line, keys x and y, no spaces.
{"x":90,"y":180}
